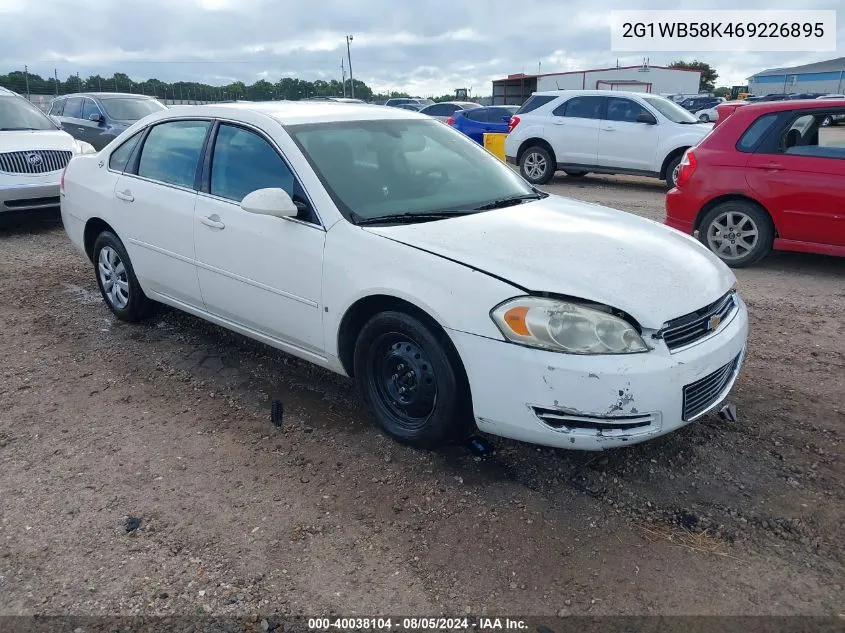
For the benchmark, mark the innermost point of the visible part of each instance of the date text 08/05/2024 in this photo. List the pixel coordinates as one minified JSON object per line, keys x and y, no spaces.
{"x":415,"y":624}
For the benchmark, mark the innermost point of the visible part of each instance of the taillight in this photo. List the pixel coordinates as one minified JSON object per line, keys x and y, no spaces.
{"x":513,"y":123}
{"x":450,"y":121}
{"x":685,"y":169}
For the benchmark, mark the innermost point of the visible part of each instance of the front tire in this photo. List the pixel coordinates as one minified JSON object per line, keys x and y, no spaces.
{"x":537,"y":165}
{"x":116,"y":279}
{"x":704,"y":118}
{"x":738,"y":232}
{"x":404,"y":372}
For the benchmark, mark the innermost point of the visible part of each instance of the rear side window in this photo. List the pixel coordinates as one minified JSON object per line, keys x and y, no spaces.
{"x":755,"y":132}
{"x":73,"y":108}
{"x":497,"y":115}
{"x":535,"y":102}
{"x":172,"y":151}
{"x":581,"y":108}
{"x":120,"y":157}
{"x":477,"y":115}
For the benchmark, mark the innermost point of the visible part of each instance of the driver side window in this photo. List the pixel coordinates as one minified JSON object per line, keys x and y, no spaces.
{"x":243,"y":162}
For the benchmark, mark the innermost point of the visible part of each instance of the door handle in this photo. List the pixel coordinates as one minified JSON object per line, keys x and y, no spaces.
{"x":81,"y":129}
{"x":558,"y":122}
{"x":213,"y":221}
{"x":126,"y":196}
{"x":609,"y":128}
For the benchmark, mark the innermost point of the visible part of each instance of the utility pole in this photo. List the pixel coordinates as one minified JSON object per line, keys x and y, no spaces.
{"x":343,"y":75}
{"x":56,"y":77}
{"x":349,"y":55}
{"x":100,"y":81}
{"x":78,"y":81}
{"x":26,"y":77}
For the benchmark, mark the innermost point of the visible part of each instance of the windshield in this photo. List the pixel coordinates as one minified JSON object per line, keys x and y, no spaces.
{"x":669,"y":109}
{"x":130,"y":109}
{"x":391,"y":167}
{"x":18,"y":114}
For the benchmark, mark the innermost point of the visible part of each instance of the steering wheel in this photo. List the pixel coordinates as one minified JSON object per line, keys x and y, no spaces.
{"x":442,"y":174}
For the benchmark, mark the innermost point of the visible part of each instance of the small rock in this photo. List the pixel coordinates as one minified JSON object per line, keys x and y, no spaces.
{"x":132,"y":523}
{"x":567,"y":602}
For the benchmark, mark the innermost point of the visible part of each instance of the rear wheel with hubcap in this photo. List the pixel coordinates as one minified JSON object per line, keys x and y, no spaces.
{"x":740,"y":233}
{"x":536,"y":165}
{"x":116,"y":279}
{"x":405,"y":374}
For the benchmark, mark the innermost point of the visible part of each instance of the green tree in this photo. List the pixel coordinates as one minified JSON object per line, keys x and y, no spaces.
{"x":722,"y":92}
{"x":707,"y":81}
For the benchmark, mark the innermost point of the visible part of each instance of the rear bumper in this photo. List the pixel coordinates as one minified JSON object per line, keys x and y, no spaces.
{"x":30,"y":196}
{"x":681,"y":211}
{"x":511,"y":160}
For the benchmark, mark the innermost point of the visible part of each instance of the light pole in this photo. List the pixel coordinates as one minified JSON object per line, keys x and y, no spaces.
{"x":349,"y":57}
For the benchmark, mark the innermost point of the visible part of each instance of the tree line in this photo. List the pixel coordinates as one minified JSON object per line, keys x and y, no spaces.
{"x":289,"y":88}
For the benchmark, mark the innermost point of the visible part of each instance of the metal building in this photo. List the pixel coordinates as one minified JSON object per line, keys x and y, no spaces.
{"x":515,"y":89}
{"x":823,"y":77}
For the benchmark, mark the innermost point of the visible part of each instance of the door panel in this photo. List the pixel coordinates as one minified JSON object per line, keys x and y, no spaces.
{"x":804,"y":194}
{"x":155,"y":200}
{"x":801,"y":182}
{"x":262,"y":272}
{"x":573,"y":130}
{"x":623,"y":141}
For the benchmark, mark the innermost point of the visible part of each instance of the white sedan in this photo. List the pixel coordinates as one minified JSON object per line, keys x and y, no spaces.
{"x":385,"y":246}
{"x":708,"y":115}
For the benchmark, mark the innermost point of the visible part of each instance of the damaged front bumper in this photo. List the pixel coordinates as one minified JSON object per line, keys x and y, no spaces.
{"x":598,"y":402}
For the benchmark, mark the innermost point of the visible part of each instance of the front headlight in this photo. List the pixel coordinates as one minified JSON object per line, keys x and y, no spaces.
{"x":563,"y":326}
{"x":81,"y":147}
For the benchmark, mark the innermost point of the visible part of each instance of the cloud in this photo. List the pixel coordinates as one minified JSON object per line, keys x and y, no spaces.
{"x":426,"y":48}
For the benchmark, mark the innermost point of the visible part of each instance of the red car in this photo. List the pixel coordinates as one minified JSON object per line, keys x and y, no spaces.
{"x":769,"y":175}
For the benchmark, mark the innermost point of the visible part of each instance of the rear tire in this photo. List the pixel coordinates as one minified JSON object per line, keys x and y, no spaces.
{"x":705,"y":118}
{"x":738,"y":232}
{"x":672,"y":171}
{"x":116,"y":280}
{"x":537,"y":165}
{"x":404,"y":373}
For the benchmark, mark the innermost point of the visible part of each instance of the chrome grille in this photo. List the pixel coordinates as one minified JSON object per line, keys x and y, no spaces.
{"x":38,"y":161}
{"x":704,"y":393}
{"x":690,"y":328}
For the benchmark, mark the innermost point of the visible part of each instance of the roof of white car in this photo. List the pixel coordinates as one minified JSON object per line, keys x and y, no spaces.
{"x":294,"y":112}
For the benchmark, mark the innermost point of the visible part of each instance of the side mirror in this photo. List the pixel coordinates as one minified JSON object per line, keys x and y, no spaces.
{"x":96,"y":117}
{"x":272,"y":201}
{"x":645,"y":117}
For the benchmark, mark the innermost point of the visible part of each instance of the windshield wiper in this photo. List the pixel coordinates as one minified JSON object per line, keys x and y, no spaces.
{"x":410,"y":218}
{"x":510,"y":202}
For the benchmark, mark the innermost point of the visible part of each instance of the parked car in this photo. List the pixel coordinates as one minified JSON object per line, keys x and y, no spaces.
{"x":33,"y":153}
{"x":694,"y":104}
{"x":769,"y":176}
{"x":708,"y":115}
{"x":336,"y":99}
{"x":413,"y":107}
{"x":476,"y":121}
{"x":398,"y":101}
{"x":832,"y":120}
{"x":99,"y":117}
{"x":443,"y":110}
{"x":345,"y":237}
{"x":583,"y":131}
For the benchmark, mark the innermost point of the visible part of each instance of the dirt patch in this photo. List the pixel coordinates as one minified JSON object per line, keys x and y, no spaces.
{"x":165,"y":428}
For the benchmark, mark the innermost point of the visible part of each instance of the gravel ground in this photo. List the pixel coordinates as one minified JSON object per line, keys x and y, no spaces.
{"x":140,"y":473}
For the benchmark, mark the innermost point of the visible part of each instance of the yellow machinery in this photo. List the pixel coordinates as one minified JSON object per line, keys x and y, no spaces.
{"x":494,"y":142}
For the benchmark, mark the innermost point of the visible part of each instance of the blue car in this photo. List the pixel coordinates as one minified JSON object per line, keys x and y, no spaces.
{"x":474,"y":123}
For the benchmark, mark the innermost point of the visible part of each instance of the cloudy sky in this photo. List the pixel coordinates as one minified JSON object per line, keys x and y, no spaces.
{"x":426,"y":47}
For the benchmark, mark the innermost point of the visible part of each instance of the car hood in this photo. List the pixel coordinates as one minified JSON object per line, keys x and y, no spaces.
{"x":576,"y":249}
{"x":23,"y":140}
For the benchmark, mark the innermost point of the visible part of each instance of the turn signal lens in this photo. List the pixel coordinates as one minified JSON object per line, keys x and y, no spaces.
{"x":515,"y":320}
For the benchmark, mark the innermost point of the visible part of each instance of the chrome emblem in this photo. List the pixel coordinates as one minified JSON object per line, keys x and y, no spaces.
{"x":34,"y":159}
{"x":714,"y":322}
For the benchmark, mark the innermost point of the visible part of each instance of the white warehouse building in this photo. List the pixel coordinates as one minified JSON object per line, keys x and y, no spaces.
{"x":515,"y":89}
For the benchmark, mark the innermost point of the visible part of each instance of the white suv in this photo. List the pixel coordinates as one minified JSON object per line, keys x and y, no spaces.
{"x":582,"y":131}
